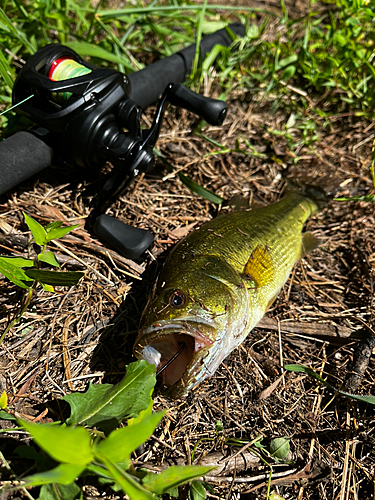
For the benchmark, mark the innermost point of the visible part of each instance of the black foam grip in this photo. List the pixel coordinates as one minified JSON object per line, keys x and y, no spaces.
{"x":21,"y":156}
{"x":148,"y":84}
{"x":130,"y":241}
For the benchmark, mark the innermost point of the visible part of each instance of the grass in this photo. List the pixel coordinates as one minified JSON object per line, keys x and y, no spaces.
{"x":326,"y":53}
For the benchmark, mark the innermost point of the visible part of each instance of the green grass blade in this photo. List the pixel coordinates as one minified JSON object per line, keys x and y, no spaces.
{"x":197,"y":54}
{"x":175,"y":8}
{"x":199,"y":190}
{"x":7,"y":26}
{"x":309,"y":371}
{"x":87,"y":49}
{"x":6,"y":72}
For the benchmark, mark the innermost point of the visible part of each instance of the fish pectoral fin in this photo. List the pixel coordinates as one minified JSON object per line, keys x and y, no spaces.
{"x":309,"y":243}
{"x":259,"y":268}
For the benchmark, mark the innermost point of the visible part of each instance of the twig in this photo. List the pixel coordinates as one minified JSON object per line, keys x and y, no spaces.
{"x":281,"y":352}
{"x":66,"y":359}
{"x":64,"y":249}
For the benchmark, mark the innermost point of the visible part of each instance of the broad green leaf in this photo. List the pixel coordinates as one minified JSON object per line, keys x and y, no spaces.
{"x":253,"y":31}
{"x":107,"y":402}
{"x":64,"y":444}
{"x":49,"y":258}
{"x":121,"y":442}
{"x":6,"y":416}
{"x":30,"y":453}
{"x":62,"y":474}
{"x":212,"y":26}
{"x":18,"y":261}
{"x":128,"y":484}
{"x":275,"y":496}
{"x":14,"y":274}
{"x":53,"y":225}
{"x":173,"y":492}
{"x":288,"y":73}
{"x":36,"y":229}
{"x":144,"y":413}
{"x":173,"y":476}
{"x":309,"y":371}
{"x":197,"y":491}
{"x":285,"y":62}
{"x":279,"y":448}
{"x":219,"y":426}
{"x":54,"y":491}
{"x":48,"y":288}
{"x":199,"y":190}
{"x":55,"y":278}
{"x":58,"y":232}
{"x":3,"y":400}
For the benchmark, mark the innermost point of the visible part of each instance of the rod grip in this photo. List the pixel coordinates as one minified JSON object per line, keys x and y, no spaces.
{"x":21,"y":156}
{"x":149,"y":83}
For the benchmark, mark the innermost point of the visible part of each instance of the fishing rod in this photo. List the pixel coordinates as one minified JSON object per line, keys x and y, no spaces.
{"x":86,"y":116}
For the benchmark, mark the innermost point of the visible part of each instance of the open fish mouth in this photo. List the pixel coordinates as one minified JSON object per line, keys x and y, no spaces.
{"x":177,"y":354}
{"x":171,"y":354}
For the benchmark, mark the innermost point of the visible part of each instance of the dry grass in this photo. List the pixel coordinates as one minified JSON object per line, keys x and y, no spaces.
{"x":66,"y":340}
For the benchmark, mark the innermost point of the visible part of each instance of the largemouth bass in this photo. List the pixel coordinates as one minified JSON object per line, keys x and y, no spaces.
{"x":217,"y":284}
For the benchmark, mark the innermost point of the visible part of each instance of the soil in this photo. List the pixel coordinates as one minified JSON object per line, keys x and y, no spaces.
{"x":323,"y":317}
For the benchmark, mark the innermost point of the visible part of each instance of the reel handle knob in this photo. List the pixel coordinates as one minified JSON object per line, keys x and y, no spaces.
{"x":129,"y":241}
{"x":212,"y":111}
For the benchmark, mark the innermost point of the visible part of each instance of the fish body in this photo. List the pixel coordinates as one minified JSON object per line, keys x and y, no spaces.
{"x":216,"y":285}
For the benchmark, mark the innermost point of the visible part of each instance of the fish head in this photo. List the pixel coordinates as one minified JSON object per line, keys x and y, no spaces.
{"x":185,"y":325}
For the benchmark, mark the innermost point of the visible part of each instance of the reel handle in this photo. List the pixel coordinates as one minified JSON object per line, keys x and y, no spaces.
{"x":129,"y":241}
{"x":25,"y":154}
{"x":212,"y":111}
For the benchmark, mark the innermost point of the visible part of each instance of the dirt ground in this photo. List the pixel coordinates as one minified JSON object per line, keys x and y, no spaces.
{"x":322,"y":314}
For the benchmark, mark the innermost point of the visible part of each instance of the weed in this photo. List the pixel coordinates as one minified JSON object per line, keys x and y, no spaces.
{"x":88,"y":443}
{"x":310,"y":371}
{"x":26,"y":273}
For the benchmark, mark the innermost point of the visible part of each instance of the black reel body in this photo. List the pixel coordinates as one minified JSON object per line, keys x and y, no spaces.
{"x":90,"y":111}
{"x":82,"y":111}
{"x":88,"y":115}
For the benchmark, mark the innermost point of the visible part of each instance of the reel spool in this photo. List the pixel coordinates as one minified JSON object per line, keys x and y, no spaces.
{"x":65,"y":68}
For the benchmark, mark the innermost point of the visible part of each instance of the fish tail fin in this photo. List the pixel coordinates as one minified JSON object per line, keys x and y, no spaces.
{"x":309,"y":243}
{"x":319,"y":196}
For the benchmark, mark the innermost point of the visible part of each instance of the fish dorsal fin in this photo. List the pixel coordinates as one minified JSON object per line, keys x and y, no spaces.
{"x":259,"y":268}
{"x":309,"y":243}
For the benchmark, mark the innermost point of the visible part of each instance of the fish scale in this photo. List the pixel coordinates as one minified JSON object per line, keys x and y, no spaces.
{"x":217,"y":284}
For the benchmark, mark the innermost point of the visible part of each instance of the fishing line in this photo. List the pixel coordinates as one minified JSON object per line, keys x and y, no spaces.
{"x":168,"y":363}
{"x":12,"y":107}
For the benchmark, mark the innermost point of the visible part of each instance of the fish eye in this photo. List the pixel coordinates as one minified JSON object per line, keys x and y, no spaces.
{"x":177,"y":299}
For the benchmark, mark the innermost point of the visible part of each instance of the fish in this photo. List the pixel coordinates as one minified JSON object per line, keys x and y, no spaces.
{"x":216,"y":285}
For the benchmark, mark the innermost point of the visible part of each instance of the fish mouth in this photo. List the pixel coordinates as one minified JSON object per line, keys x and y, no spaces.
{"x":177,"y":353}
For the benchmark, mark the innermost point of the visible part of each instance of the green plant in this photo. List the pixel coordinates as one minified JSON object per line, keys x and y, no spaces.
{"x":88,"y":443}
{"x":312,"y":373}
{"x":26,"y":273}
{"x":336,"y":53}
{"x":276,"y":452}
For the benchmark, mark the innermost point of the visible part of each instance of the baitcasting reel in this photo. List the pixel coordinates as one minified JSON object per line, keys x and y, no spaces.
{"x":88,"y":115}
